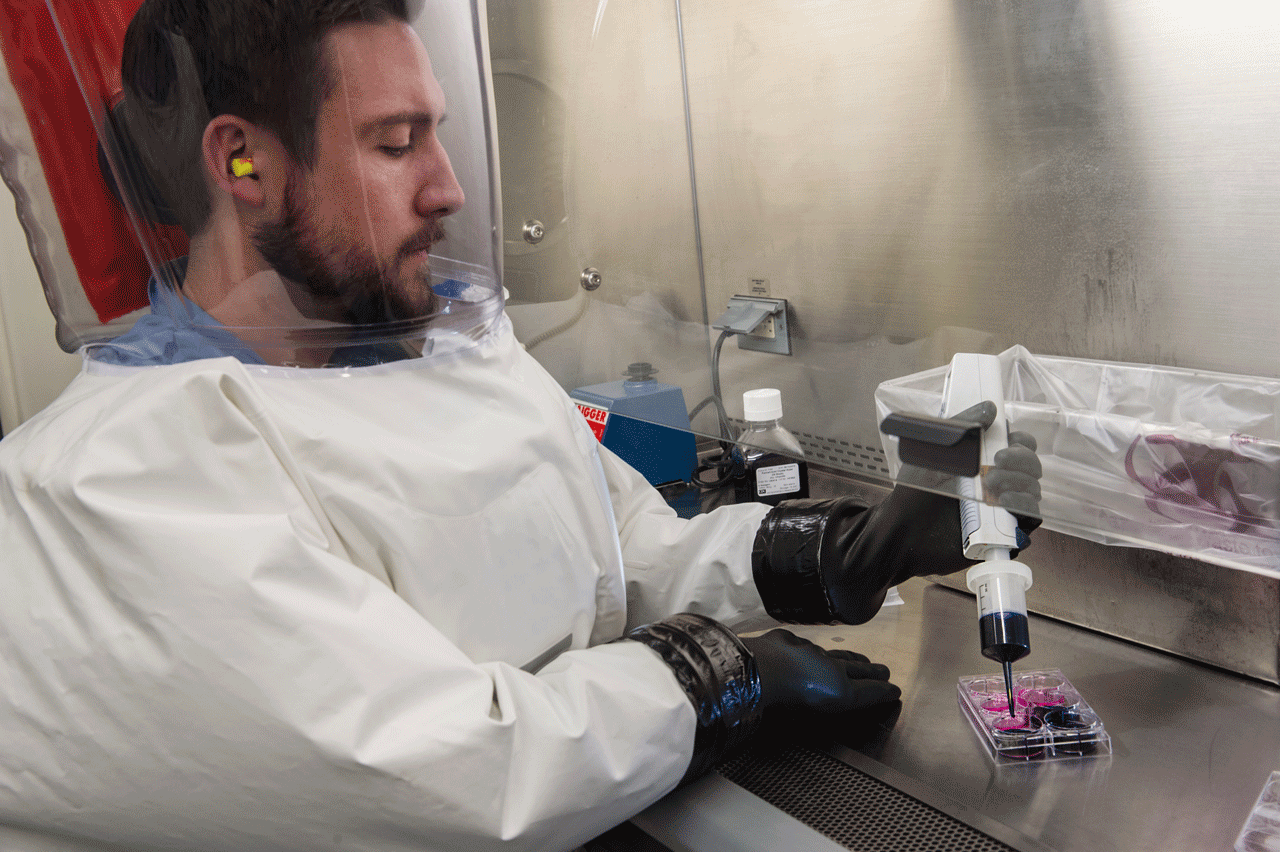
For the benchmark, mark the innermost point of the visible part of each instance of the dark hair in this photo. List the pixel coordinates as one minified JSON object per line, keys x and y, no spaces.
{"x":188,"y":61}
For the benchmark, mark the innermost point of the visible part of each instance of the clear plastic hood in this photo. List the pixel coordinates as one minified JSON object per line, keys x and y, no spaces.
{"x":310,"y":184}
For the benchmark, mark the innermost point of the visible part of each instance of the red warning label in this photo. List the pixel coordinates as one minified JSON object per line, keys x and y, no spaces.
{"x":596,"y":418}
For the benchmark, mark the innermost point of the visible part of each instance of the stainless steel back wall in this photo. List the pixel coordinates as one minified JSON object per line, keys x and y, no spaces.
{"x":1086,"y":177}
{"x":1091,"y":178}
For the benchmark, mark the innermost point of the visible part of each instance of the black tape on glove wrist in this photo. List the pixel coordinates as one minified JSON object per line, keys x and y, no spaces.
{"x":816,"y":561}
{"x":718,"y":674}
{"x":786,"y":559}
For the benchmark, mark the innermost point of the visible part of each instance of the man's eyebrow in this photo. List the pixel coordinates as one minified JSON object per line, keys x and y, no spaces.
{"x":396,"y":119}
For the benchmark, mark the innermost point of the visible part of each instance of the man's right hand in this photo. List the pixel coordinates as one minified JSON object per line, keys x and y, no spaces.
{"x":800,"y":675}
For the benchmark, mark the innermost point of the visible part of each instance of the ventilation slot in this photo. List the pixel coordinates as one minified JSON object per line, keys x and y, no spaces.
{"x":852,"y":808}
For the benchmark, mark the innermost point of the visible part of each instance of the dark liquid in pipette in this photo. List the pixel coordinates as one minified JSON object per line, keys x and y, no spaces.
{"x":1005,"y":638}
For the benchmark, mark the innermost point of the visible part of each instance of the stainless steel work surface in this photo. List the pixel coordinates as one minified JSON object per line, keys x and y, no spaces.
{"x":1191,"y":746}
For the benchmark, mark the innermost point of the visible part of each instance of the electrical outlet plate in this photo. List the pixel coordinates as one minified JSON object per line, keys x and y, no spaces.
{"x":771,"y":335}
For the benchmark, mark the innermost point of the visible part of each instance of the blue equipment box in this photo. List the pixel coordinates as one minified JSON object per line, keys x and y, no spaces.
{"x":645,"y":422}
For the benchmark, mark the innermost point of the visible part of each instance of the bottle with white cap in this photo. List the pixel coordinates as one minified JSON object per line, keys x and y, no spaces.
{"x":772,"y":461}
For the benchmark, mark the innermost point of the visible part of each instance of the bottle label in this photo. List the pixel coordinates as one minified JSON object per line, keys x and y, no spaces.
{"x":779,"y":479}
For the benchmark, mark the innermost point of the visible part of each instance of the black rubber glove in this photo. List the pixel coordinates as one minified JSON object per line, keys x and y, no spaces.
{"x":828,"y":560}
{"x":718,"y":673}
{"x":798,"y":674}
{"x":731,"y":682}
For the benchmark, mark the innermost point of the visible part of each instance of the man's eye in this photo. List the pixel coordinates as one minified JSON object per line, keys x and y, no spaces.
{"x":394,"y":150}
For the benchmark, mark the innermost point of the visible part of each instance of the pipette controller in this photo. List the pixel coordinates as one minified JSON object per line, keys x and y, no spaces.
{"x":989,"y":533}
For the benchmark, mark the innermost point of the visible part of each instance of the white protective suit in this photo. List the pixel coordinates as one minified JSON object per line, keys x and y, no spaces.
{"x":258,"y":608}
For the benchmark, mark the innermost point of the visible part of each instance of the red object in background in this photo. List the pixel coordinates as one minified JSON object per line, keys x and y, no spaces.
{"x":100,"y":239}
{"x":597,"y":419}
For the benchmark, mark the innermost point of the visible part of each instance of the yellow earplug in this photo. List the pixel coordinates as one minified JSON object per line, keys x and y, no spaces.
{"x":241,"y":166}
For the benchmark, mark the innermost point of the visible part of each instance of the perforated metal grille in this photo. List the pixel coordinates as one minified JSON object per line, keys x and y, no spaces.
{"x":851,"y":807}
{"x":842,"y":455}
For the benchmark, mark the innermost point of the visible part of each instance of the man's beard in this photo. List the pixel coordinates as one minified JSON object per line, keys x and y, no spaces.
{"x":345,"y":283}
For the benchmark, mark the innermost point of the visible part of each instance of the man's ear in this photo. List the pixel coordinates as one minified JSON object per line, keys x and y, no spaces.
{"x":229,"y":161}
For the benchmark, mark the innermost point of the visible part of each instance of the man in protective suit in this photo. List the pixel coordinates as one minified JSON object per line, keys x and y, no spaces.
{"x":317,"y":557}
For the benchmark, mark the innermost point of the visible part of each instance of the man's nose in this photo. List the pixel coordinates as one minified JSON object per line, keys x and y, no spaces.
{"x":439,"y":194}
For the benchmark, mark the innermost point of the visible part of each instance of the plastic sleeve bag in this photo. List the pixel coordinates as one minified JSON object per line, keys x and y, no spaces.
{"x":1177,"y":460}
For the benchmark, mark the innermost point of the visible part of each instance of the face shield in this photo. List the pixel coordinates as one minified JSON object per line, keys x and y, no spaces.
{"x":311,"y":184}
